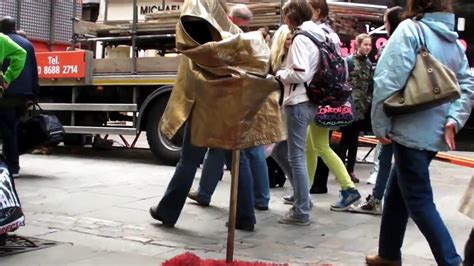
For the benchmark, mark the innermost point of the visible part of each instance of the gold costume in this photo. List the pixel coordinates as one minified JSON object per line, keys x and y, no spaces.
{"x":222,"y":83}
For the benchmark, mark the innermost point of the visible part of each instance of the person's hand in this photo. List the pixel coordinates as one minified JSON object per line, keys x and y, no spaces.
{"x":449,"y":133}
{"x":385,"y":140}
{"x":4,"y":84}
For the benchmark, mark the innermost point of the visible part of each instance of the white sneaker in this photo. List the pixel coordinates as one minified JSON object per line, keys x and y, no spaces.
{"x":288,"y":199}
{"x":372,"y":179}
{"x":370,"y":206}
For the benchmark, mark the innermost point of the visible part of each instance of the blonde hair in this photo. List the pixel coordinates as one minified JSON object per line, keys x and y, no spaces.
{"x":277,"y":51}
{"x":360,"y":38}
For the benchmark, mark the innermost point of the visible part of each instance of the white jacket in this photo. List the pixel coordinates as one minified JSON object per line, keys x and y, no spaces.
{"x":303,"y":60}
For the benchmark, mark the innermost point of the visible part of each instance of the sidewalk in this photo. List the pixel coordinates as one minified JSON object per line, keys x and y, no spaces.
{"x":96,"y":204}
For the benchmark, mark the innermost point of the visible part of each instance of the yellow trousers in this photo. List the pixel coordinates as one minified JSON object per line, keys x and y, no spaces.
{"x":317,"y":144}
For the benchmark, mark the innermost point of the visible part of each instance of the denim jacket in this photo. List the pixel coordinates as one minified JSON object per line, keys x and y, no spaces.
{"x":422,"y":130}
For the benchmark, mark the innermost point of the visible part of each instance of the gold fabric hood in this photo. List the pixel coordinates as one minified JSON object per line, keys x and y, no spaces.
{"x":222,"y":83}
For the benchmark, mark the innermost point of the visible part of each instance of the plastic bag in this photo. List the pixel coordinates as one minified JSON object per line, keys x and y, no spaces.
{"x":11,"y":215}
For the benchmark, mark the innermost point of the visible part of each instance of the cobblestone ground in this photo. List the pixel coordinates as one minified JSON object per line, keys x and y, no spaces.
{"x":96,"y":204}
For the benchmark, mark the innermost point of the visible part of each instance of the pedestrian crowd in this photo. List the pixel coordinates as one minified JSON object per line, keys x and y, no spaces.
{"x":306,"y":59}
{"x":303,"y":51}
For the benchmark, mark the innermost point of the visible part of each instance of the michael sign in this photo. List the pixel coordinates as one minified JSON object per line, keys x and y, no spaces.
{"x":163,"y":7}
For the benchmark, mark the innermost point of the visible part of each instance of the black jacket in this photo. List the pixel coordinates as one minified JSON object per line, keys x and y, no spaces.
{"x":27,"y":83}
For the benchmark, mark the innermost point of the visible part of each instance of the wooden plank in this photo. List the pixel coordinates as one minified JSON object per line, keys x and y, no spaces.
{"x":97,"y":107}
{"x":144,"y":65}
{"x":100,"y":130}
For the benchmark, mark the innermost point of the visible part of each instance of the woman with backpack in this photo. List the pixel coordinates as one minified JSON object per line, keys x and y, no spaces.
{"x":360,"y":77}
{"x":302,"y":62}
{"x":418,"y":135}
{"x":317,"y":143}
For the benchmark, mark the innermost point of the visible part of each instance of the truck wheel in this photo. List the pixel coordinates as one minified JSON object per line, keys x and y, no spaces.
{"x":165,"y":150}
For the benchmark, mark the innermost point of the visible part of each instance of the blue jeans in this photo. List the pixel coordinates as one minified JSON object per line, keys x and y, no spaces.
{"x":385,"y":165}
{"x":259,"y":170}
{"x":8,"y":130}
{"x":212,"y":171}
{"x":409,"y":194}
{"x":174,"y":198}
{"x":255,"y":162}
{"x":280,"y":155}
{"x":298,"y":118}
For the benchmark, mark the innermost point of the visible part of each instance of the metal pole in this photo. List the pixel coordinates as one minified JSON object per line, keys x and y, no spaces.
{"x":281,"y":13}
{"x":74,"y":14}
{"x":135,"y":101}
{"x":106,"y":11}
{"x":106,"y":17}
{"x":134,"y":35}
{"x":73,"y":100}
{"x":18,"y":14}
{"x":233,"y":205}
{"x":51,"y":25}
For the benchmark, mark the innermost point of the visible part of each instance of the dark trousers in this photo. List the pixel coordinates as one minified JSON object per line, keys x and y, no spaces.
{"x":320,"y":177}
{"x":349,"y":144}
{"x":173,"y":201}
{"x":409,"y":194}
{"x":469,"y":250}
{"x":8,"y":129}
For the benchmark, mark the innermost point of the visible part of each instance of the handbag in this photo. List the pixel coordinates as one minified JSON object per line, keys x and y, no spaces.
{"x":430,"y":84}
{"x":327,"y":116}
{"x":41,"y":129}
{"x":467,"y":202}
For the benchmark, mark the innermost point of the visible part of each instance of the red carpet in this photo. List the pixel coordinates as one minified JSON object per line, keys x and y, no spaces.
{"x":189,"y":259}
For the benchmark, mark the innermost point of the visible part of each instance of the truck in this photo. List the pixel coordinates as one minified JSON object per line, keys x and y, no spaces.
{"x":107,"y":67}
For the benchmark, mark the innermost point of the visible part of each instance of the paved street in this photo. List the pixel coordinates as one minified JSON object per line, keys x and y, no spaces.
{"x":96,"y":204}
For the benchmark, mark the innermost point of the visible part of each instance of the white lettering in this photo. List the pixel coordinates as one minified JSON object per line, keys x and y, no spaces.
{"x":53,"y":60}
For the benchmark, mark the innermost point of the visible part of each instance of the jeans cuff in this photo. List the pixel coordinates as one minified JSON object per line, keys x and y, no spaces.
{"x":386,"y":255}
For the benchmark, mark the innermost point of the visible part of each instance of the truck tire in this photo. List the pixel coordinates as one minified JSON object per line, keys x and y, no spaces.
{"x":164,"y":150}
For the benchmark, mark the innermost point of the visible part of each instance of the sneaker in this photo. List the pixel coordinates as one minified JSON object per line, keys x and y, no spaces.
{"x":346,"y":199}
{"x":194,"y":196}
{"x":288,"y":199}
{"x":372,"y":179}
{"x":354,"y":178}
{"x":290,"y":218}
{"x":370,"y":206}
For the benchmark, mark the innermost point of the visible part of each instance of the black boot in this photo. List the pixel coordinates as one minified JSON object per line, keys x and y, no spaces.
{"x":469,"y":250}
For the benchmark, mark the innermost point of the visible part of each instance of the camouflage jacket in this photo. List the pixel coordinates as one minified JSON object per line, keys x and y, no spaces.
{"x":361,"y":79}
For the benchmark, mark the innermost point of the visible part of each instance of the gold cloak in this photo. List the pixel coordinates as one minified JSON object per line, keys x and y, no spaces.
{"x":222,"y":84}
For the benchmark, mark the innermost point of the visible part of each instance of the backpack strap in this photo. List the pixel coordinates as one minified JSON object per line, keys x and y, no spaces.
{"x":318,"y":43}
{"x":310,"y":36}
{"x":313,"y":39}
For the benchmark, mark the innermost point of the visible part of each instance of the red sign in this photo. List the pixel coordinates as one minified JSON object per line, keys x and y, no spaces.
{"x":64,"y":64}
